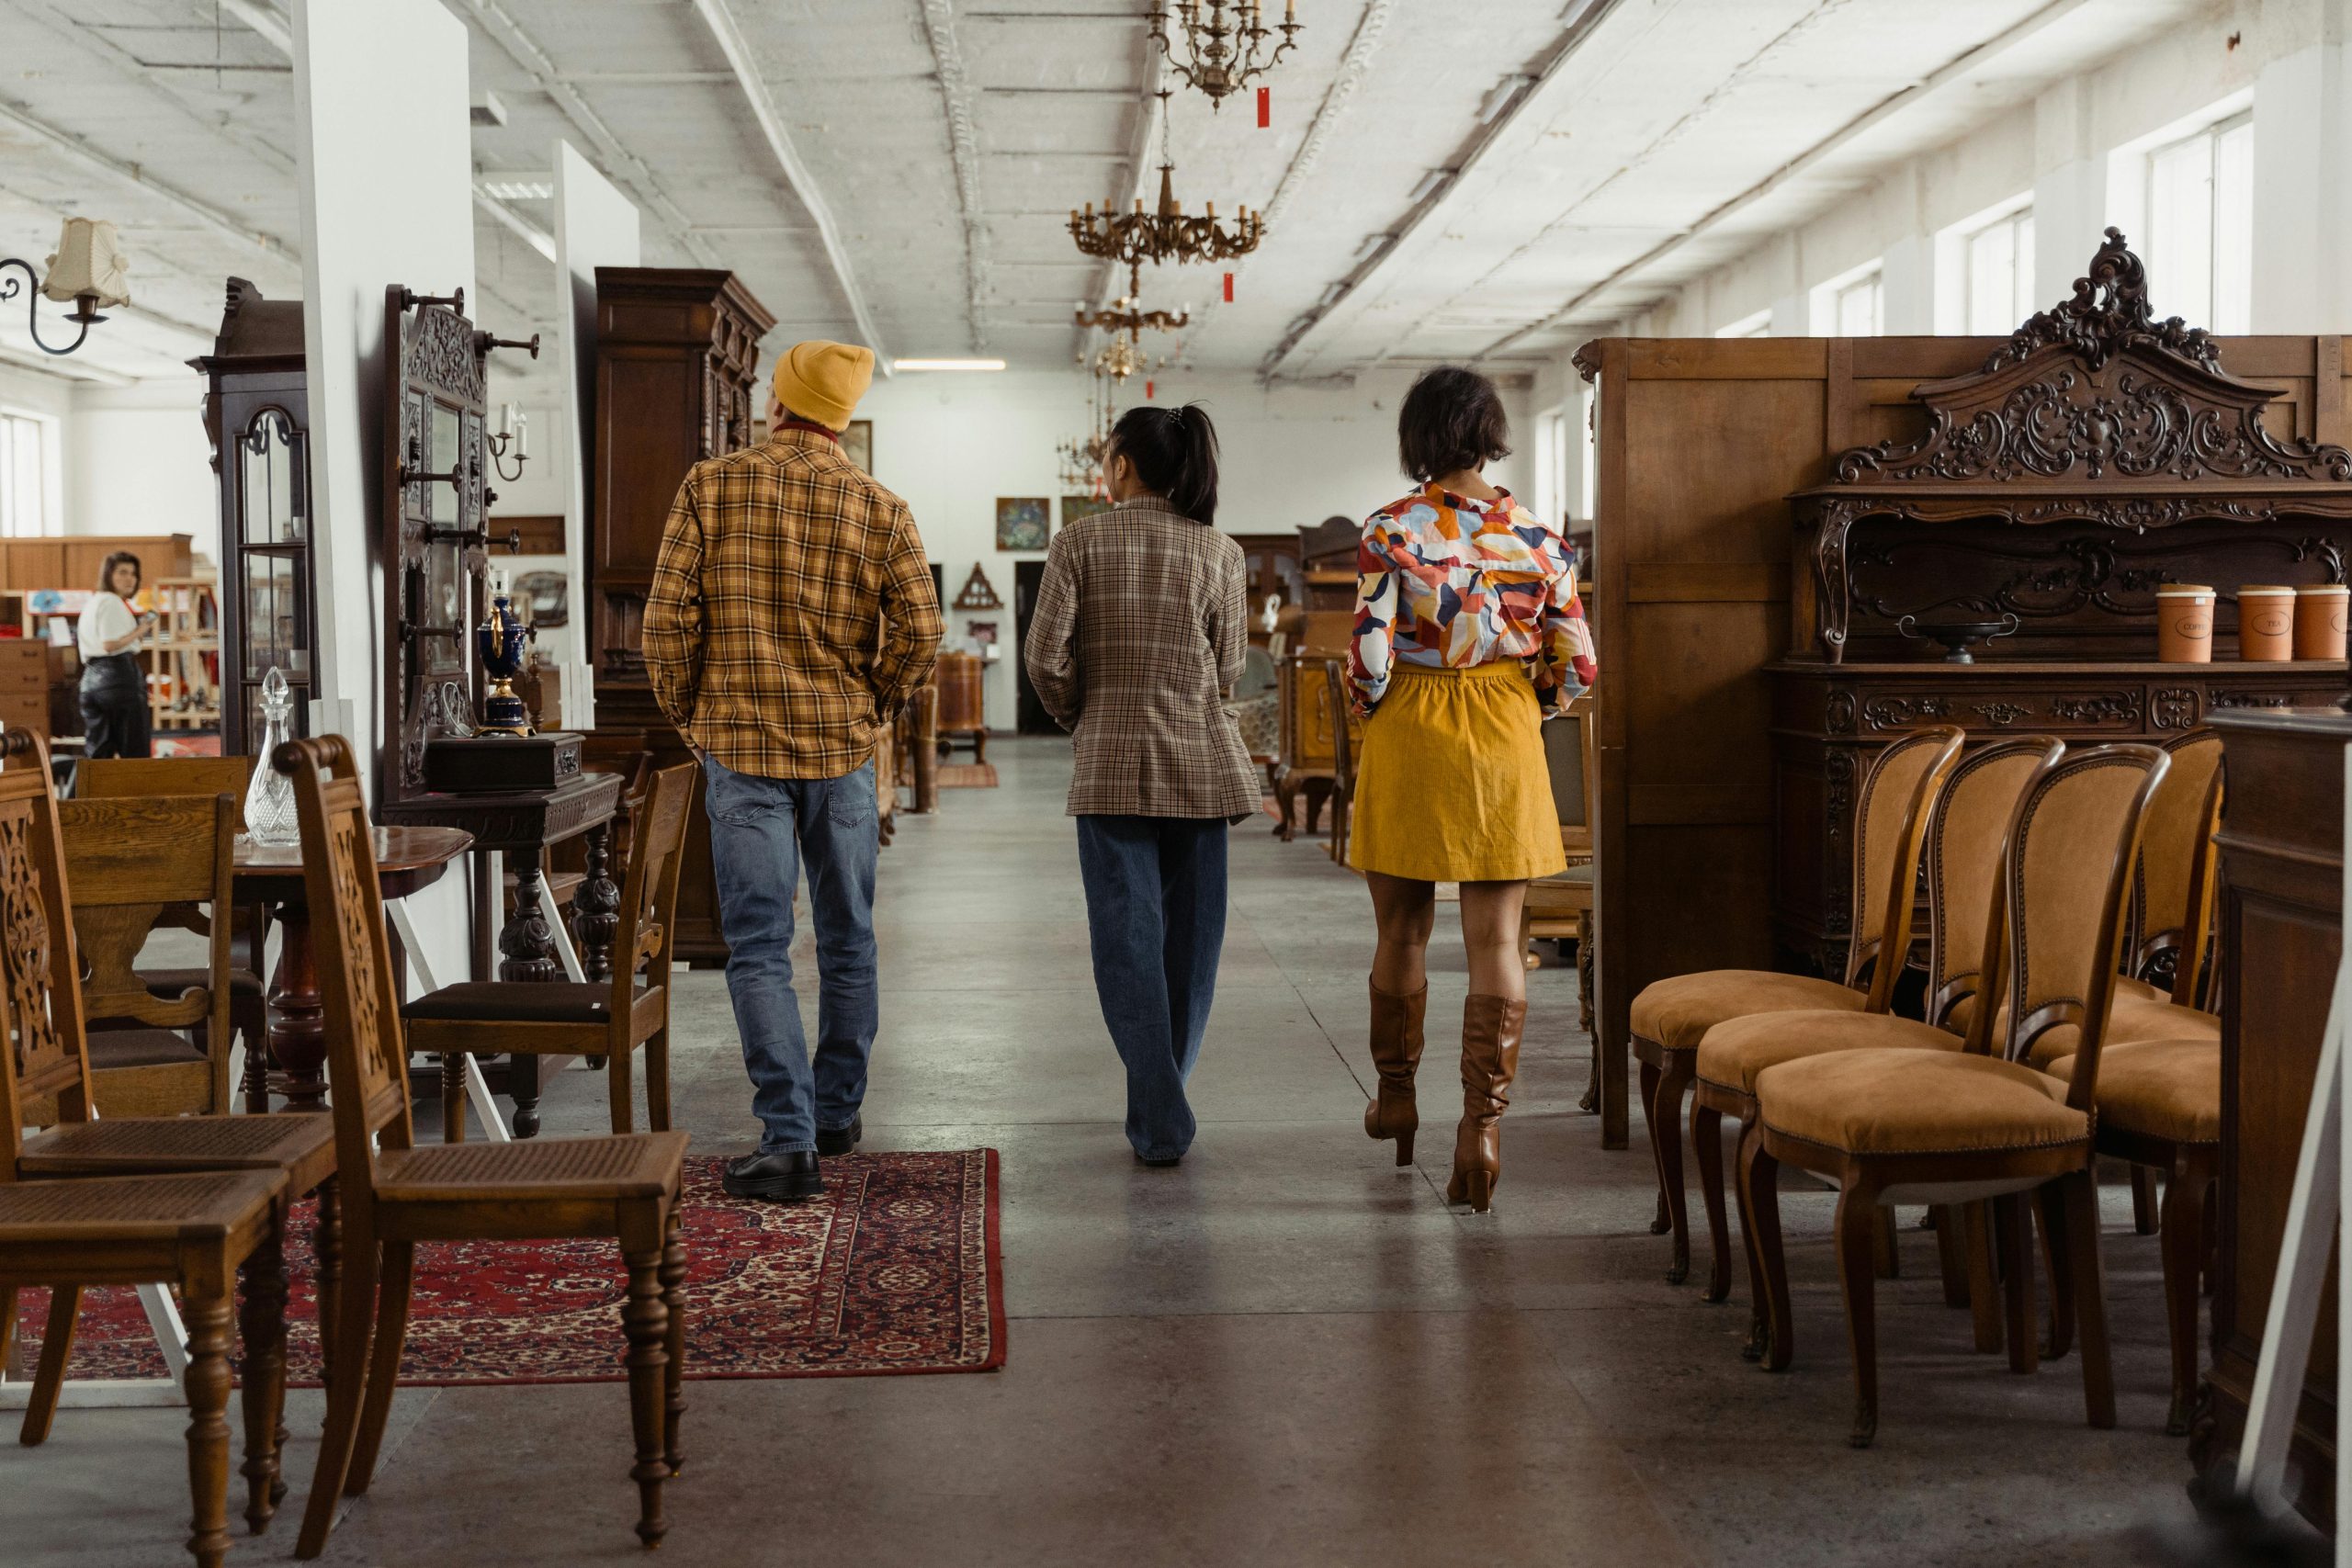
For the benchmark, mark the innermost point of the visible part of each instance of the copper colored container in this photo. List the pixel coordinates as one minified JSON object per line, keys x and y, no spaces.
{"x":2319,"y":620}
{"x":2265,"y":624}
{"x":2184,"y":623}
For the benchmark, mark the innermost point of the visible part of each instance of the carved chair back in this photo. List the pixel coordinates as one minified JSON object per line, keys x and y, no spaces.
{"x":2175,"y":836}
{"x":40,"y":996}
{"x":128,"y":859}
{"x":1568,"y":751}
{"x":2191,"y":969}
{"x":1898,"y":797}
{"x":108,"y":778}
{"x":366,"y":1054}
{"x":1963,"y":854}
{"x":2067,"y":874}
{"x":650,"y":898}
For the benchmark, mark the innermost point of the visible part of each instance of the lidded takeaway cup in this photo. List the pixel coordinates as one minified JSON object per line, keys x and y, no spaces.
{"x":2319,"y":620}
{"x":2184,"y":623}
{"x":2266,"y":622}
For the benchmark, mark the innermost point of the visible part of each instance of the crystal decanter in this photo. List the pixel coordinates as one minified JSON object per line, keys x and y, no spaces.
{"x":270,"y":799}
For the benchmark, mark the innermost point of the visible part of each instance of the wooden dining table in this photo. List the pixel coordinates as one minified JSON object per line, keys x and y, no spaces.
{"x":407,"y":860}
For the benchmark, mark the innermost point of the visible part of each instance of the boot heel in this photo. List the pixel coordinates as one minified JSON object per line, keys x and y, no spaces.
{"x":1482,"y":1191}
{"x":1405,"y":1148}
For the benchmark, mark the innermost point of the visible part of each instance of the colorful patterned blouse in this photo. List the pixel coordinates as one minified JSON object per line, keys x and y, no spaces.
{"x":1445,"y":581}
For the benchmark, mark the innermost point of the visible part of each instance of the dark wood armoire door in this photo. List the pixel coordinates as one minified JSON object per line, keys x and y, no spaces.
{"x":1029,"y":714}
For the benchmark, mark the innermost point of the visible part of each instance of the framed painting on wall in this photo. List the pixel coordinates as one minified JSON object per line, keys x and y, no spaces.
{"x":858,"y":443}
{"x":1022,"y":522}
{"x":1077,"y":506}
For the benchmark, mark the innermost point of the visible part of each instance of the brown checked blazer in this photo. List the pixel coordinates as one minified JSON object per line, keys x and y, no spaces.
{"x":1140,"y":630}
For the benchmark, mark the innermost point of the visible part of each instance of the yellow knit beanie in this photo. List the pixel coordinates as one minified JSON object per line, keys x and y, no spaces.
{"x":823,"y":381}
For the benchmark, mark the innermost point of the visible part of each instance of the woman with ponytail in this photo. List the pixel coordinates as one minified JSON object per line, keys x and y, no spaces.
{"x":1141,"y":625}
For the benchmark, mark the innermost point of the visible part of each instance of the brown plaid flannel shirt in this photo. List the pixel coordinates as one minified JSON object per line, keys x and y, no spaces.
{"x":792,"y":612}
{"x":1140,"y":628}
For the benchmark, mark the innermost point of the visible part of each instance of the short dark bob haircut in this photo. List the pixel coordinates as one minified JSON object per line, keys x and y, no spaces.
{"x":119,"y":558}
{"x":1453,"y":420}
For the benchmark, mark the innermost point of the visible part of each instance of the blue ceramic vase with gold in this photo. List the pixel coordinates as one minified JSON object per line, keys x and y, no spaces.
{"x":503,"y":638}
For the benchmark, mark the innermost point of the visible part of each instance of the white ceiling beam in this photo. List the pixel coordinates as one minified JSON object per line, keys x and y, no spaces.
{"x":963,"y":145}
{"x":719,"y":17}
{"x":1583,"y":18}
{"x":265,"y":19}
{"x":1806,"y":163}
{"x":538,"y":239}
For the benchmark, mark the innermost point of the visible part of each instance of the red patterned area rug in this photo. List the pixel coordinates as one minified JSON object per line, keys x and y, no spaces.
{"x":967,"y":776}
{"x":895,"y":1270}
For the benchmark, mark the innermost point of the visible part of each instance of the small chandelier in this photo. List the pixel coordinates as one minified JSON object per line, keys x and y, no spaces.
{"x":1165,"y":234}
{"x":1122,"y":357}
{"x":1125,"y":315}
{"x":1223,"y":56}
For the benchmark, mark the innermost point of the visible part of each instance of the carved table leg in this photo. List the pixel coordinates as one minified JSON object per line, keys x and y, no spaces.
{"x":523,"y":1088}
{"x":453,"y":1096}
{"x":596,"y":908}
{"x":528,"y":944}
{"x":298,"y":1026}
{"x":206,"y":1385}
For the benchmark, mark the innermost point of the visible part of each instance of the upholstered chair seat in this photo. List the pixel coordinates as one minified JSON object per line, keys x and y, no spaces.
{"x":1732,"y":1054}
{"x":2134,"y":1016}
{"x":1679,"y":1012}
{"x":1919,"y":1103}
{"x":2158,"y":1088}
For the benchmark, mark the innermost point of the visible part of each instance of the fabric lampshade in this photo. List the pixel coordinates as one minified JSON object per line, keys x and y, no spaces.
{"x":88,"y":260}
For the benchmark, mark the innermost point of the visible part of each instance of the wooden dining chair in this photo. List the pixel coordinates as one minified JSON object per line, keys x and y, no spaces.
{"x":1670,"y":1017}
{"x":1560,"y":907}
{"x":107,"y":778}
{"x":1943,"y":1127}
{"x":397,"y":1193}
{"x":194,"y":1231}
{"x":611,"y":1017}
{"x":1343,"y":759}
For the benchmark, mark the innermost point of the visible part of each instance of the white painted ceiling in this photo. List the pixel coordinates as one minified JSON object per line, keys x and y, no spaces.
{"x":1602,"y":151}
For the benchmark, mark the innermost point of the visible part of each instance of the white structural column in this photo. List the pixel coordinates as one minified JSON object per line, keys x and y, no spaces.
{"x":2302,"y":186}
{"x":2071,"y":210}
{"x":595,"y":226}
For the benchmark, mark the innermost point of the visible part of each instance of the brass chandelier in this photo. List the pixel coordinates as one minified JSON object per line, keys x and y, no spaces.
{"x":1164,"y":233}
{"x":1126,"y":314}
{"x":1223,"y":56}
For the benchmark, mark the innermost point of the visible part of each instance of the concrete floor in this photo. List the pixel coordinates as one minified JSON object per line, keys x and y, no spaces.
{"x":1284,"y":1351}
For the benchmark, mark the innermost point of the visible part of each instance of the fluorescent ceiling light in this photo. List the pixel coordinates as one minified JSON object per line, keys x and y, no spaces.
{"x":1502,"y":97}
{"x":518,"y":188}
{"x":1429,"y":182}
{"x":947,"y":365}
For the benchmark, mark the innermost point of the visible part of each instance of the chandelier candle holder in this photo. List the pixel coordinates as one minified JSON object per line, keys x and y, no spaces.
{"x":1126,"y":314}
{"x":1223,"y":53}
{"x":1164,"y":233}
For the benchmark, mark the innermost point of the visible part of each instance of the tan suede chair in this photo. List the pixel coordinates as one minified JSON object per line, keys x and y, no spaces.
{"x":1670,"y":1017}
{"x":1963,"y":850}
{"x":1941,"y":1127}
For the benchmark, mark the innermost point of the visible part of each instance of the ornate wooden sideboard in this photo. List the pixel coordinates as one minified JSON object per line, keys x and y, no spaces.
{"x":676,"y":382}
{"x":2097,"y":454}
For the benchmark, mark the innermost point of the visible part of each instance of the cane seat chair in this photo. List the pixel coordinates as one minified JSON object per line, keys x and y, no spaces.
{"x":1670,"y":1017}
{"x":396,"y":1193}
{"x":610,"y":1017}
{"x":1944,"y":1127}
{"x":195,"y":1230}
{"x":109,"y":778}
{"x":1961,"y":850}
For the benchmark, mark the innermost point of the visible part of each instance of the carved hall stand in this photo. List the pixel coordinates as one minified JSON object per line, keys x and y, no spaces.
{"x":2097,"y":454}
{"x":434,"y":549}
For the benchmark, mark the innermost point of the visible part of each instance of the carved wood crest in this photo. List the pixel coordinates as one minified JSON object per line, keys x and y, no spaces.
{"x":2097,"y":391}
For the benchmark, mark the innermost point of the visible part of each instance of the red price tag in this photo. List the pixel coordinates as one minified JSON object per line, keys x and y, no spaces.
{"x":1147,"y":388}
{"x":1265,"y":108}
{"x":1228,"y":288}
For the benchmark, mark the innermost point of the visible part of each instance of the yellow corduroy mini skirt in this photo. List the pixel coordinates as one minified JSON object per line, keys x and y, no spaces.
{"x":1452,"y":784}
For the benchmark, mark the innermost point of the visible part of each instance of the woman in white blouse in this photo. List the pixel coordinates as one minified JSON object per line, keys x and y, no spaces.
{"x":114,"y":689}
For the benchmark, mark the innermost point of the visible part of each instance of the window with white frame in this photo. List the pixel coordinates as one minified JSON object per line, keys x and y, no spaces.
{"x":1996,"y":269}
{"x":1757,"y":325}
{"x":1589,"y":432}
{"x":2200,"y":221}
{"x":1852,"y":304}
{"x":25,"y":480}
{"x":1551,"y":464}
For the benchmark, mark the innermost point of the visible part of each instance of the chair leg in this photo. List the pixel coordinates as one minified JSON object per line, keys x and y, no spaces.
{"x":1952,"y":1252}
{"x":2050,"y":1210}
{"x":1857,"y":1228}
{"x":262,"y":1326}
{"x":1758,"y":1309}
{"x":656,"y":1081}
{"x":2090,"y":1297}
{"x":1760,"y":1177}
{"x":2010,"y":1224}
{"x":453,"y":1097}
{"x":346,"y":1386}
{"x":2144,"y":1202}
{"x":1886,"y":1256}
{"x":2184,"y":1248}
{"x":1665,"y":1137}
{"x":1650,"y":1076}
{"x":1983,"y":1277}
{"x":673,"y":1297}
{"x":56,"y":1349}
{"x":7,"y":1331}
{"x":326,"y":1245}
{"x":618,"y":1065}
{"x":206,"y":1385}
{"x":384,"y":1364}
{"x":1707,"y":1139}
{"x":646,"y":1321}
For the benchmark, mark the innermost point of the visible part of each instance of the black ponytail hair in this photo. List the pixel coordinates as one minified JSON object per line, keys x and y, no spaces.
{"x":1174,"y":452}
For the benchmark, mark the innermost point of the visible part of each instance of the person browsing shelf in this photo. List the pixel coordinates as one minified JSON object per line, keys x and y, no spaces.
{"x":113,"y":694}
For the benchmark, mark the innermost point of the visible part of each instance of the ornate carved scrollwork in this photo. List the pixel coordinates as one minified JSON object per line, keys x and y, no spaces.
{"x":1837,"y":710}
{"x":2000,"y":716}
{"x":2172,"y":708}
{"x":1883,"y":714}
{"x":2221,"y":700}
{"x":2103,"y":707}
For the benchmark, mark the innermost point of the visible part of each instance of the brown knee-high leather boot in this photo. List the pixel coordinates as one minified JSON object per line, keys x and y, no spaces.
{"x":1490,"y":1030}
{"x":1396,"y":1053}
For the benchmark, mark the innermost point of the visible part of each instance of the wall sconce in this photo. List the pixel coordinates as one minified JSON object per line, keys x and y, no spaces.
{"x":513,"y":430}
{"x":87,"y":268}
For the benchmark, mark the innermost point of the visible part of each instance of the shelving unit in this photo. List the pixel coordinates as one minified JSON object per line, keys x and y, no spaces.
{"x":183,"y":656}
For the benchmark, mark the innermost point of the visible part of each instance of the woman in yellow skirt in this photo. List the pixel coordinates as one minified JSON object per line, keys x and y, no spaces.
{"x":1467,"y":630}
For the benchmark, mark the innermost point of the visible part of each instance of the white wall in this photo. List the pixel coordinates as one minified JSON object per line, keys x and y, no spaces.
{"x":950,"y":443}
{"x":137,"y":462}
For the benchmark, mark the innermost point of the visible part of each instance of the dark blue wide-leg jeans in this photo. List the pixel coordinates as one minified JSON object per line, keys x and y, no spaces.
{"x":1155,"y":910}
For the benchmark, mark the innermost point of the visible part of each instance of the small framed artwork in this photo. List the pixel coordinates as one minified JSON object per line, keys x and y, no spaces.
{"x":981,"y":631}
{"x":858,"y":443}
{"x":1022,"y":522}
{"x":1077,"y":506}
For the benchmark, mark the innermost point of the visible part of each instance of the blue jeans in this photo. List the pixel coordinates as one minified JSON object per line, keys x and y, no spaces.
{"x":1155,"y":912}
{"x":760,"y":828}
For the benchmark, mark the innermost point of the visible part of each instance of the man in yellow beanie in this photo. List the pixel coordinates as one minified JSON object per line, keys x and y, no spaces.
{"x":791,"y":616}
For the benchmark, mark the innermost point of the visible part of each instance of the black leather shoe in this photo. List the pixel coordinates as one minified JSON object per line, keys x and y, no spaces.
{"x":1158,"y":1162}
{"x":778,"y":1179}
{"x":836,"y":1141}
